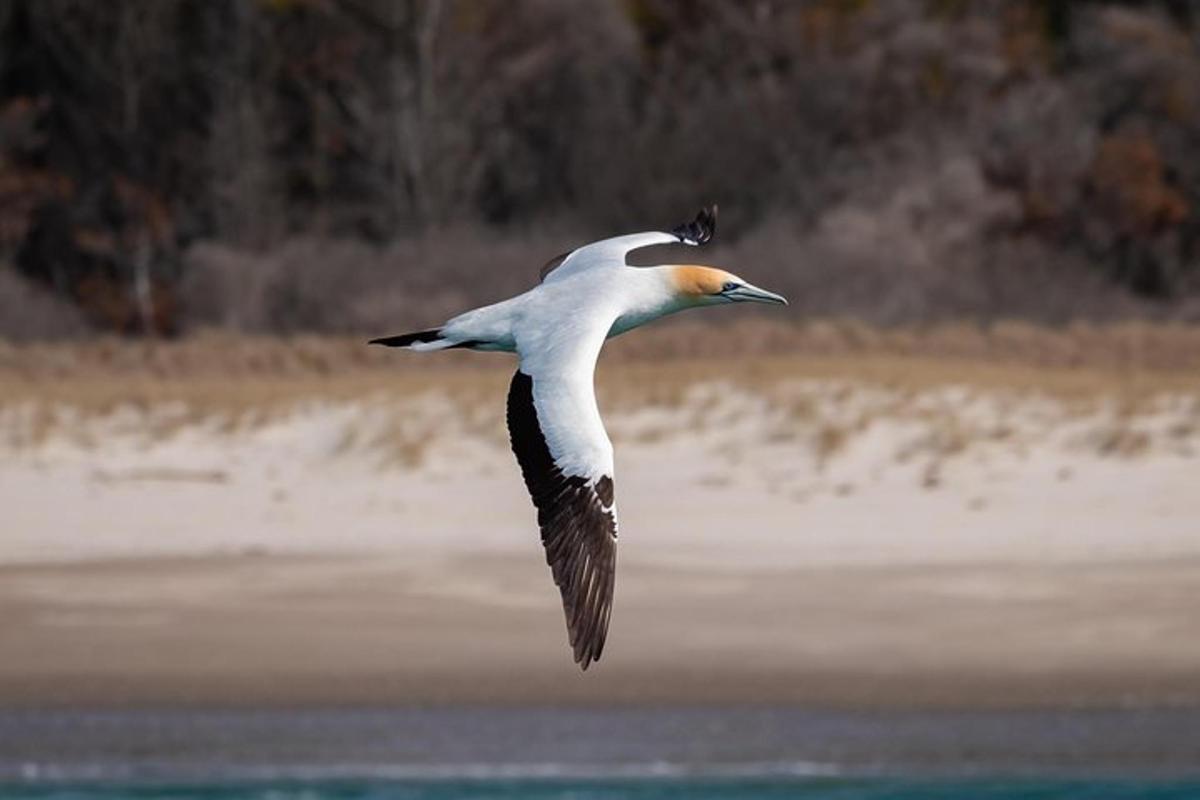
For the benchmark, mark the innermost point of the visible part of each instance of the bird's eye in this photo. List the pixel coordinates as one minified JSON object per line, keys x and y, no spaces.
{"x":728,"y":286}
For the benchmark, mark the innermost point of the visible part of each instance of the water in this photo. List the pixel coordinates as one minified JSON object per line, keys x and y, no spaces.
{"x":639,"y":754}
{"x":630,"y":789}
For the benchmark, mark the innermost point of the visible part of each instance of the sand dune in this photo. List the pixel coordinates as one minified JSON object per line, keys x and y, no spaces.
{"x":791,"y":531}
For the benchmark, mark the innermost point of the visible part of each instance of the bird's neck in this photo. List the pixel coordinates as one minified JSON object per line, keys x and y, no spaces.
{"x":649,"y":293}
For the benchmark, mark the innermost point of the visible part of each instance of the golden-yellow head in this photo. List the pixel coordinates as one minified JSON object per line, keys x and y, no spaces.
{"x":697,"y":281}
{"x":712,"y":285}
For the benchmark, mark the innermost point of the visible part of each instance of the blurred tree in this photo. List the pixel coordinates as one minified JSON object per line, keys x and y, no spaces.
{"x":129,"y":132}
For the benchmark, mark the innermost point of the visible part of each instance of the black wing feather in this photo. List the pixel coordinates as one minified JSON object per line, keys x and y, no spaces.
{"x":578,"y":524}
{"x":700,"y":230}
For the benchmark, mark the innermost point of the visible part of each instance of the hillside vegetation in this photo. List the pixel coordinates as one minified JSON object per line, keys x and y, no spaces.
{"x":342,"y":165}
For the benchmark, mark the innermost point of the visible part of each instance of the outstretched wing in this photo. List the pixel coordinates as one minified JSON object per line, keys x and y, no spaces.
{"x":566,"y":460}
{"x":607,"y":252}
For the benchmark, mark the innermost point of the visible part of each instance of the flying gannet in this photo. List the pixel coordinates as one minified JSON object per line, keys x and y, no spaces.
{"x":557,"y":329}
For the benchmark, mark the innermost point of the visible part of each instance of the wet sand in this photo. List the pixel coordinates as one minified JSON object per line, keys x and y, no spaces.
{"x":380,"y":631}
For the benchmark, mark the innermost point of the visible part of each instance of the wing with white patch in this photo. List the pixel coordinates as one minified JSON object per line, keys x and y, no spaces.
{"x":612,"y":252}
{"x":566,"y":460}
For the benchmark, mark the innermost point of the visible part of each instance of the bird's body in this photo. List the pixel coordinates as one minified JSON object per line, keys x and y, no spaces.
{"x":557,"y":330}
{"x":613,"y":301}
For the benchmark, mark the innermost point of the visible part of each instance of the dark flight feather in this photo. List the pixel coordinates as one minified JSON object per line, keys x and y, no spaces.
{"x":578,"y":524}
{"x":700,"y":230}
{"x":406,"y":339}
{"x":419,"y":337}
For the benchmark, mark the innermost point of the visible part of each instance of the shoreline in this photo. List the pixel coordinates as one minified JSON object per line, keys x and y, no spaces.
{"x":546,"y":744}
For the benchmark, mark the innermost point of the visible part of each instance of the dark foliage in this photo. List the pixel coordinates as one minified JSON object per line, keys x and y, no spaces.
{"x":170,"y":163}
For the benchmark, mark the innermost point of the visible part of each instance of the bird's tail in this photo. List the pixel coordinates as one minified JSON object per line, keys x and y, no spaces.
{"x":421,"y":340}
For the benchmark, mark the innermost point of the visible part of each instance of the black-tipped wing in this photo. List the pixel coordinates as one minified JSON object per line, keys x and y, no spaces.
{"x":578,"y":519}
{"x":610,"y":252}
{"x":700,"y":230}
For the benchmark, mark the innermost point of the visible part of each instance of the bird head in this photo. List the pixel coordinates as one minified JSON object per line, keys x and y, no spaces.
{"x":711,"y":286}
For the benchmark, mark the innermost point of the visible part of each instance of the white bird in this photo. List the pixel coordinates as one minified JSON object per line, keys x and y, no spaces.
{"x":557,"y":329}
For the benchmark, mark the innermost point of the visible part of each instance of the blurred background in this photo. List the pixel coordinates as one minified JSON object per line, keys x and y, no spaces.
{"x":936,"y":519}
{"x":319,"y":165}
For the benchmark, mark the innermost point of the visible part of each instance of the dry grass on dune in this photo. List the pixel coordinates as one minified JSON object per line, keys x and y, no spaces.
{"x":224,"y":371}
{"x":824,"y":382}
{"x":1124,"y":346}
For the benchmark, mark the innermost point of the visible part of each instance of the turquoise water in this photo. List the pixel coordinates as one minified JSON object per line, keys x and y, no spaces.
{"x":589,"y":754}
{"x":640,"y":789}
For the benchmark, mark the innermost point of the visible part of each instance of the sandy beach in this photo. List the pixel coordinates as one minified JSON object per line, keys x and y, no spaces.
{"x":850,"y":532}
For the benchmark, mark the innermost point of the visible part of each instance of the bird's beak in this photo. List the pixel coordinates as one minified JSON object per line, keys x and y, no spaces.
{"x":752,"y":294}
